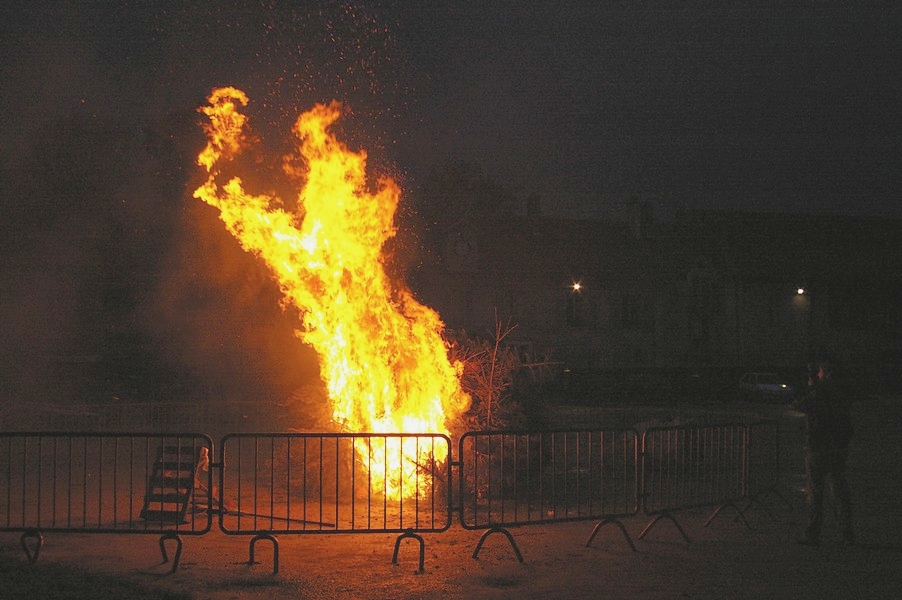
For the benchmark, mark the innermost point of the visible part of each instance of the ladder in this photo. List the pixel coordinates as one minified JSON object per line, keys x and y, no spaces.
{"x":171,"y":484}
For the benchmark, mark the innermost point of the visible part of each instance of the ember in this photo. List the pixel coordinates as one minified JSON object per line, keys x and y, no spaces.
{"x":382,"y":357}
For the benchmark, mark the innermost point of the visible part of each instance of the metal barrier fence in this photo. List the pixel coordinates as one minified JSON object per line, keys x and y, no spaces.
{"x":332,"y":483}
{"x":690,"y":467}
{"x":309,"y":483}
{"x":517,"y":478}
{"x":105,"y":483}
{"x":763,"y":464}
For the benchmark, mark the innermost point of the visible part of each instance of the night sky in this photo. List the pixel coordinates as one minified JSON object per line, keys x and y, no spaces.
{"x":792,"y":108}
{"x":107,"y":260}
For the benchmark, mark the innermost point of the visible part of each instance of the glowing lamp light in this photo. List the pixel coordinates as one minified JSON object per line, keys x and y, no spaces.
{"x":576,"y":287}
{"x":800,"y":291}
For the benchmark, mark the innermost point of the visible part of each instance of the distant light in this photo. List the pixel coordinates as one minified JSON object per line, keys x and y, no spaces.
{"x":800,"y":291}
{"x":577,"y":286}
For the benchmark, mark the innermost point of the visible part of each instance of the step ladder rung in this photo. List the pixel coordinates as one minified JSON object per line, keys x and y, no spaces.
{"x":167,"y":498}
{"x":171,"y":482}
{"x":169,"y":516}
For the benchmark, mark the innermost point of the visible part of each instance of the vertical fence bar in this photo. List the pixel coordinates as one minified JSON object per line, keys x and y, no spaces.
{"x":336,"y":482}
{"x":86,"y":482}
{"x":82,"y":481}
{"x":516,"y":478}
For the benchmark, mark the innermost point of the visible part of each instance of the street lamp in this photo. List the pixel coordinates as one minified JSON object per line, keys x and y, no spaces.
{"x":805,"y":303}
{"x":574,"y":312}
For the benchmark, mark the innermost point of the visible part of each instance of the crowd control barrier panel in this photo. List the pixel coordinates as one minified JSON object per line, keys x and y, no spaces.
{"x":267,"y":484}
{"x":315,"y":483}
{"x":105,"y":483}
{"x":509,"y":479}
{"x":689,"y":467}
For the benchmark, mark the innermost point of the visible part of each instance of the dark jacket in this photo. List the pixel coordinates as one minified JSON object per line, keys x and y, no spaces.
{"x":829,"y":416}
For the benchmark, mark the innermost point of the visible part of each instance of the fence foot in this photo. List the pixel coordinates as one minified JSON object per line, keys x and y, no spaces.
{"x":506,"y":533}
{"x":38,"y":544}
{"x":754,"y":502}
{"x":616,"y":522}
{"x":739,"y":513}
{"x":178,"y":549}
{"x":410,"y":534}
{"x":664,"y":515}
{"x":275,"y":550}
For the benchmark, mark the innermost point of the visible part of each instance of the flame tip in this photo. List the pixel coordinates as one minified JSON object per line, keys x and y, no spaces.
{"x":381,"y":351}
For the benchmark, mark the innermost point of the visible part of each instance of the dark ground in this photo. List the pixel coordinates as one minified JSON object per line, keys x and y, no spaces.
{"x":723,"y":560}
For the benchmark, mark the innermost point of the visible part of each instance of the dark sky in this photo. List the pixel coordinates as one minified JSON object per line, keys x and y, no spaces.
{"x":107,"y":263}
{"x":729,"y":106}
{"x":792,"y":107}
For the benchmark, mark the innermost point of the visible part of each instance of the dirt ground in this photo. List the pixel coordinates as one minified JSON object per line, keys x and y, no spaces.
{"x":727,"y":559}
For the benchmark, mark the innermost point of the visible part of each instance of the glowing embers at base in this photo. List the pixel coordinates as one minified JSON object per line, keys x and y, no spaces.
{"x":381,"y":353}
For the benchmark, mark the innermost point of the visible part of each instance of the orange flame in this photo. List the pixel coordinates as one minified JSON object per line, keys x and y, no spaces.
{"x":382,"y":357}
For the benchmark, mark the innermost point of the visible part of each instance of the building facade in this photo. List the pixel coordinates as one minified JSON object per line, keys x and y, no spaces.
{"x":708,"y":290}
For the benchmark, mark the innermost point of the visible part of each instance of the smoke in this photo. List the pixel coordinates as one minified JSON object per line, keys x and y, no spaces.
{"x":218,"y":313}
{"x":39,"y":312}
{"x":116,"y":283}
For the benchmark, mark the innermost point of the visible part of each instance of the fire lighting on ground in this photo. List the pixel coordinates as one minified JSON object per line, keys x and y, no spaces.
{"x":382,"y":355}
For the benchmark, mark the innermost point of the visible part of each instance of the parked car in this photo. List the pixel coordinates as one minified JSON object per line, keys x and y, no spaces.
{"x":765,"y":387}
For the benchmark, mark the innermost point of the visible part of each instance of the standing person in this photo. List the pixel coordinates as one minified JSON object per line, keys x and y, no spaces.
{"x":826,"y":450}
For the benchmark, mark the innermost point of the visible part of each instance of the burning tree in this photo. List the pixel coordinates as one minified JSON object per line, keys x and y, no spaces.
{"x":382,"y":357}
